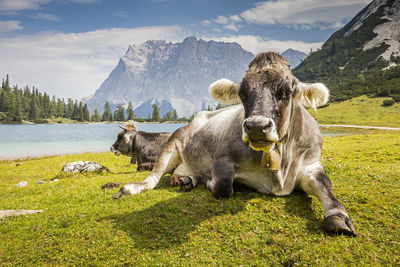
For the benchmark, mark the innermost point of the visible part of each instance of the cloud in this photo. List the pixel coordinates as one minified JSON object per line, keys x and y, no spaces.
{"x":314,"y":13}
{"x":73,"y":65}
{"x":9,"y":26}
{"x":45,"y":16}
{"x":230,"y":22}
{"x":18,"y":5}
{"x":256,"y":44}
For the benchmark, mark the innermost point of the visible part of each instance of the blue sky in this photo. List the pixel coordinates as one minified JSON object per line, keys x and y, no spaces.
{"x":68,"y":47}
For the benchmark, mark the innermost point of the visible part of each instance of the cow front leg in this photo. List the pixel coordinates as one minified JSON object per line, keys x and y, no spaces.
{"x":221,"y":183}
{"x":336,"y":219}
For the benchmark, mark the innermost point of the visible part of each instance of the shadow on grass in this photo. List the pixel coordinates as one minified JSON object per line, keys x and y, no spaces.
{"x":169,"y":223}
{"x":299,"y":204}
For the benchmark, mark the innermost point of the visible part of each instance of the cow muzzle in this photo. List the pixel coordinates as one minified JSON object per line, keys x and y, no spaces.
{"x":116,"y":152}
{"x":260,"y":132}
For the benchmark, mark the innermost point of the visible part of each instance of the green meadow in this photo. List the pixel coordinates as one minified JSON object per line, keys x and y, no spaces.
{"x":82,"y":224}
{"x":360,"y":110}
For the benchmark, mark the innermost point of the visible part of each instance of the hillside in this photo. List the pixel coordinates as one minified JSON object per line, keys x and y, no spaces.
{"x":369,"y":42}
{"x":359,"y":111}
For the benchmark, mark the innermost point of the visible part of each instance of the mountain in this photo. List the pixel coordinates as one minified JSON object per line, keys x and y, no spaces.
{"x":294,"y":57}
{"x":369,"y":43}
{"x":173,"y":75}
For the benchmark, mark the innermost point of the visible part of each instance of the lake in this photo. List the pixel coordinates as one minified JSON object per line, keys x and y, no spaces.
{"x":34,"y":140}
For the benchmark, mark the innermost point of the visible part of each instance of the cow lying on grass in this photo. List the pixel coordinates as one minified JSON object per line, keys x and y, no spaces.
{"x":269,"y":142}
{"x":144,"y":146}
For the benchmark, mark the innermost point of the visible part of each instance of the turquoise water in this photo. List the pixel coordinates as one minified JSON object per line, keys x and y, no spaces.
{"x":35,"y":140}
{"x":21,"y":141}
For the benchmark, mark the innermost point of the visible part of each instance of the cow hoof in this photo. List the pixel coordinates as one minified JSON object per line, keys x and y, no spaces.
{"x":131,"y":189}
{"x":186,"y":183}
{"x":174,"y":180}
{"x":339,"y":224}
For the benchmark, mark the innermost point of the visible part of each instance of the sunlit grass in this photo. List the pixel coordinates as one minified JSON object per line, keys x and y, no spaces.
{"x":83,"y":225}
{"x":359,"y":111}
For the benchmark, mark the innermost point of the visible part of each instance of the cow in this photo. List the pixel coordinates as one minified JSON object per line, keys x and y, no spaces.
{"x":142,"y":146}
{"x":268,"y":142}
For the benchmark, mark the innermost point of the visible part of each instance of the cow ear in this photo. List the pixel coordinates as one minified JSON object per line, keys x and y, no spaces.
{"x":129,"y":126}
{"x":225,"y":91}
{"x":311,"y":95}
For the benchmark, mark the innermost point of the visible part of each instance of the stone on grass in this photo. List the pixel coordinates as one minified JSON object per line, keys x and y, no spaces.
{"x":83,"y":166}
{"x":8,"y":213}
{"x":21,"y":184}
{"x":40,"y":182}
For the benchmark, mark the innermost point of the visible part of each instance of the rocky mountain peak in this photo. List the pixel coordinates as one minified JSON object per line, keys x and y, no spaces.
{"x":173,"y":75}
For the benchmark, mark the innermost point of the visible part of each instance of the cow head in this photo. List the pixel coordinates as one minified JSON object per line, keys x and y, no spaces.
{"x":268,"y":93}
{"x":124,"y":143}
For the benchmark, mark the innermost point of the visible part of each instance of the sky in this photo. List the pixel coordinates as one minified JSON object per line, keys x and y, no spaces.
{"x":68,"y":48}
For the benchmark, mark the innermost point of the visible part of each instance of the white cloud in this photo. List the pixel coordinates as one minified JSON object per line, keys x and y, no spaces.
{"x":256,"y":44}
{"x":222,"y":20}
{"x":230,"y":23}
{"x":73,"y":65}
{"x":45,"y":16}
{"x":18,"y":5}
{"x":9,"y":26}
{"x":303,"y":12}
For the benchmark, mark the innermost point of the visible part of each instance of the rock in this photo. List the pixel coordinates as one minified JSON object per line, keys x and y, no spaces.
{"x":40,"y":182}
{"x":83,"y":166}
{"x":54,"y":180}
{"x":7,"y":213}
{"x":21,"y":184}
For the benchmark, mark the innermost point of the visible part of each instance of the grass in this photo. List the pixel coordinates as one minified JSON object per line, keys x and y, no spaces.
{"x":360,"y":111}
{"x":83,"y":225}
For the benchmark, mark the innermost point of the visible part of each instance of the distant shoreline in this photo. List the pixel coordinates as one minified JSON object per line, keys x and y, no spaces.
{"x":89,"y":122}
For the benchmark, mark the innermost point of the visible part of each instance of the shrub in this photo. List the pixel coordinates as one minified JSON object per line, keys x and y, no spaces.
{"x":396,"y":98}
{"x":388,"y":102}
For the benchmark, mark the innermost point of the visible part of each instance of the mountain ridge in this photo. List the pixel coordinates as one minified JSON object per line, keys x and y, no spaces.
{"x":177,"y":74}
{"x":370,"y":42}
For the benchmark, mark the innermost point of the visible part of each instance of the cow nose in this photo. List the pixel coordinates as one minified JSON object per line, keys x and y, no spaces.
{"x":258,"y":128}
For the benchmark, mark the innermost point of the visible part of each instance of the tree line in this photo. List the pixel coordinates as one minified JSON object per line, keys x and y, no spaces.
{"x":28,"y":104}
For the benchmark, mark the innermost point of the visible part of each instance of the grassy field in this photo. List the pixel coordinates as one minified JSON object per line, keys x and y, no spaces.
{"x":83,"y":225}
{"x":360,"y":111}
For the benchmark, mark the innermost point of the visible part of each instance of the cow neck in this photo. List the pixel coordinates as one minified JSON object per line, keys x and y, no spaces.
{"x":272,"y":158}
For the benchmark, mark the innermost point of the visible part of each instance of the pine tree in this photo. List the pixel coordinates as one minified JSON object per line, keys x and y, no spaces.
{"x":96,"y":116}
{"x":17,"y":114}
{"x":86,"y":113}
{"x":131,"y":114}
{"x":168,"y":115}
{"x":34,"y":109}
{"x":156,"y":113}
{"x":60,"y":108}
{"x":174,"y":115}
{"x":81,"y":115}
{"x":107,"y":114}
{"x":75,"y":111}
{"x":119,"y":114}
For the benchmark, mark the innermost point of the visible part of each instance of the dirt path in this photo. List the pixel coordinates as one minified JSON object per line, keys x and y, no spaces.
{"x":360,"y":126}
